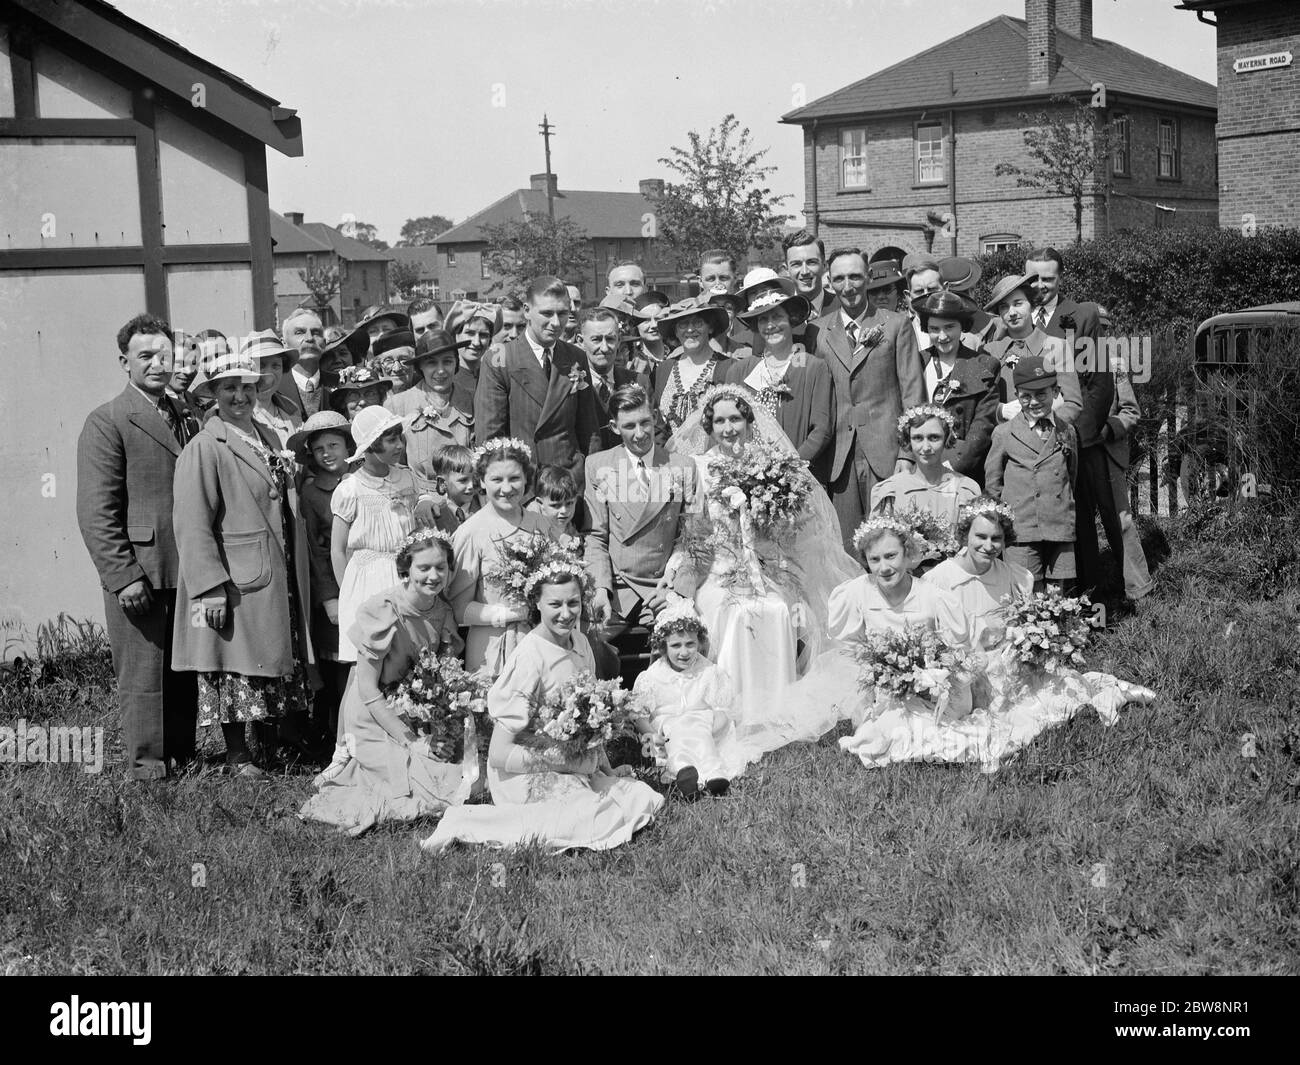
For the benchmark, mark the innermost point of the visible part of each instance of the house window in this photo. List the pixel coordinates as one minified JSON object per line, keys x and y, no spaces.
{"x":483,"y":270}
{"x":1119,"y":150}
{"x":853,"y":158}
{"x":999,"y":242}
{"x":451,"y":257}
{"x":458,"y":294}
{"x":1168,"y":164}
{"x":929,"y":155}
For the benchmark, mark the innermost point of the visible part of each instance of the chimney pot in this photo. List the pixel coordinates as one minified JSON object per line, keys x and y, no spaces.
{"x":1075,"y":18}
{"x":294,"y":217}
{"x":1040,"y":20}
{"x":652,"y":188}
{"x":538,"y":183}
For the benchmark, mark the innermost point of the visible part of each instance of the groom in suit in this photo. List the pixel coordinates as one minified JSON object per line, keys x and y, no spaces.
{"x":538,"y":388}
{"x":126,"y":459}
{"x":877,"y":374}
{"x":636,"y":499}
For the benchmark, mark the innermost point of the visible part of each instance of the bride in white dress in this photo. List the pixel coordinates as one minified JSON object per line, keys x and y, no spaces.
{"x":764,"y":602}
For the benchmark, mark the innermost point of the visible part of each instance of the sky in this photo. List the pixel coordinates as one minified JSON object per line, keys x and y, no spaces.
{"x":416,"y":107}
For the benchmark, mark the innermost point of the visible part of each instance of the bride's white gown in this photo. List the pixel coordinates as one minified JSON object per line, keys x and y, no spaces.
{"x":752,"y":627}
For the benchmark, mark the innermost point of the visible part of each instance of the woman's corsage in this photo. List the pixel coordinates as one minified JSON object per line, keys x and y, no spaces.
{"x":577,"y":378}
{"x":872,"y":336}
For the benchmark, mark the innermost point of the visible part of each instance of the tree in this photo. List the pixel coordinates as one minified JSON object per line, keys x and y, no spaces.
{"x":721,"y":201}
{"x":519,"y":250}
{"x":366,"y":232}
{"x":404,"y":276}
{"x":423,"y":230}
{"x":322,"y":283}
{"x":1072,"y":151}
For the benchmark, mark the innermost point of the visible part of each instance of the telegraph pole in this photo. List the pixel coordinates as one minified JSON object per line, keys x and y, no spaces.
{"x":548,"y":131}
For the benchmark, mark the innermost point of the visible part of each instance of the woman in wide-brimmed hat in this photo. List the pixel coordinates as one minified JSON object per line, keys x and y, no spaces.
{"x":274,"y":357}
{"x":793,"y":385}
{"x":437,"y":411}
{"x":359,"y":387}
{"x":476,"y":323}
{"x":695,"y":365}
{"x":243,"y":589}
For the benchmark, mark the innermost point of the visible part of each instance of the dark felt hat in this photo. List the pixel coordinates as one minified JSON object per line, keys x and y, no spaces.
{"x":434,"y":342}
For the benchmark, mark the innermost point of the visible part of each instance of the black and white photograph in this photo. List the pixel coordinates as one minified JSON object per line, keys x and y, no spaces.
{"x":708,"y":487}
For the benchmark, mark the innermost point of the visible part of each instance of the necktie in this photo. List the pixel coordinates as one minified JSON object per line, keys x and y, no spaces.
{"x":602,"y":390}
{"x":642,"y":481}
{"x":546,"y":363}
{"x":852,"y":330}
{"x":168,"y":413}
{"x":308,"y":387}
{"x":1040,"y":316}
{"x":1043,"y":427}
{"x":460,"y":515}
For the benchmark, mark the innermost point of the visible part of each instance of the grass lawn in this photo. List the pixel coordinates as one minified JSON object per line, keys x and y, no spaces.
{"x":1156,"y":846}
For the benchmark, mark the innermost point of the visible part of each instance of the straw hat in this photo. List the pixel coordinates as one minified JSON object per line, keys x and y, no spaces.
{"x":763,"y":290}
{"x":266,"y":344}
{"x":359,"y":378}
{"x":368,"y":426}
{"x":715,"y":318}
{"x":1008,"y":285}
{"x":300,"y":442}
{"x":959,"y":274}
{"x":229,"y":364}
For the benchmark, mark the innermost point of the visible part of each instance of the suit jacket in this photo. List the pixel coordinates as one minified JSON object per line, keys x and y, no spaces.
{"x":970,"y":395}
{"x":1035,"y":478}
{"x":312,"y":403}
{"x":632,"y":537}
{"x":229,"y":531}
{"x":1096,"y":382}
{"x":1008,"y":352}
{"x":555,"y":418}
{"x":872,"y":387}
{"x":1124,"y":416}
{"x":608,"y":437}
{"x":126,"y":460}
{"x":808,"y":414}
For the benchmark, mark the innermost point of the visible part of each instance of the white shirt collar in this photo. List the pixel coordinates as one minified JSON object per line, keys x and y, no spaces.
{"x":311,"y":379}
{"x":634,"y":458}
{"x":1049,"y":308}
{"x":538,"y":350}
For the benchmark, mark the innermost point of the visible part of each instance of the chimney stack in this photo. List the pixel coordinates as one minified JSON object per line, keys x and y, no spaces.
{"x":294,"y":217}
{"x":1075,"y":18}
{"x":1040,"y":15}
{"x":538,"y":183}
{"x":652,"y":188}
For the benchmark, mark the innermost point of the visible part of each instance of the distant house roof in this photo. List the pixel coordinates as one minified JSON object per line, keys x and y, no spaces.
{"x":610,"y":215}
{"x":990,"y":63}
{"x":346,"y":248}
{"x":425,"y":256}
{"x":137,"y":48}
{"x":290,"y":240}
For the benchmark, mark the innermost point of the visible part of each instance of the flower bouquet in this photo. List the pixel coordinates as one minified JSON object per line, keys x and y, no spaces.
{"x":584,"y":713}
{"x":910,"y":665}
{"x":441,"y":699}
{"x":768,"y":486}
{"x":520,"y":557}
{"x":940,"y":536}
{"x":1046,"y":631}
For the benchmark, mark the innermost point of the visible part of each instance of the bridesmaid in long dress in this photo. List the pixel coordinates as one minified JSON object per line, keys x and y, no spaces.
{"x":540,"y":794}
{"x":506,"y":471}
{"x":386,"y":772}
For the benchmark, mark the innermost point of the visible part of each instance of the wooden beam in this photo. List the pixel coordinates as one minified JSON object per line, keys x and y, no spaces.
{"x":174,"y":254}
{"x":151,"y":219}
{"x":70,"y":258}
{"x":68,"y":127}
{"x":22,"y":69}
{"x":259,"y":235}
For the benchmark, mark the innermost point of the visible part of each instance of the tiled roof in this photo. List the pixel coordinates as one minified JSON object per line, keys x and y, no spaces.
{"x":425,"y":256}
{"x":602,"y":214}
{"x":991,"y":63}
{"x":347,"y":248}
{"x":290,"y":240}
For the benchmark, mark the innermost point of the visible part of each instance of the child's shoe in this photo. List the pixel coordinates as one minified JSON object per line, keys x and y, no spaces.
{"x":687,"y":784}
{"x":718,"y":786}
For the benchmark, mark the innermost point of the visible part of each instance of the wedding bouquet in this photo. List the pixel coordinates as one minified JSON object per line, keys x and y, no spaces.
{"x":519,"y":557}
{"x":767,"y":485}
{"x":438,"y":698}
{"x":940,"y":536}
{"x":914,"y":662}
{"x":1047,"y":630}
{"x":584,"y":713}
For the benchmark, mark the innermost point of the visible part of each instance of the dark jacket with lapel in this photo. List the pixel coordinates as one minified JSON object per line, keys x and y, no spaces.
{"x":873,"y":384}
{"x":126,"y":459}
{"x":808,"y":414}
{"x":970,"y":395}
{"x":1096,"y":382}
{"x":622,"y":376}
{"x":553,"y":417}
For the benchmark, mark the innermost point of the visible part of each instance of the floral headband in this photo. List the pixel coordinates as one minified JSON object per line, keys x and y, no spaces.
{"x":501,"y":443}
{"x":930,"y":410}
{"x":900,"y":529}
{"x":674,"y":619}
{"x":987,"y":508}
{"x":554,"y":570}
{"x":423,"y":538}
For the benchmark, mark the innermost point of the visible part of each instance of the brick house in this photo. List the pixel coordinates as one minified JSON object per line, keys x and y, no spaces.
{"x":905,"y":157}
{"x":294,"y":252}
{"x":363,"y":270}
{"x":1259,"y":109}
{"x":425,"y":258}
{"x":614,"y":221}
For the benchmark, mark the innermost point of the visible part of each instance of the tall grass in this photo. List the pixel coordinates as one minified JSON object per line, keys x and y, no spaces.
{"x":1167,"y":844}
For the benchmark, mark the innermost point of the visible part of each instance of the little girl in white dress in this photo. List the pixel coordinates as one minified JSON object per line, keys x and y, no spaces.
{"x":692,"y":705}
